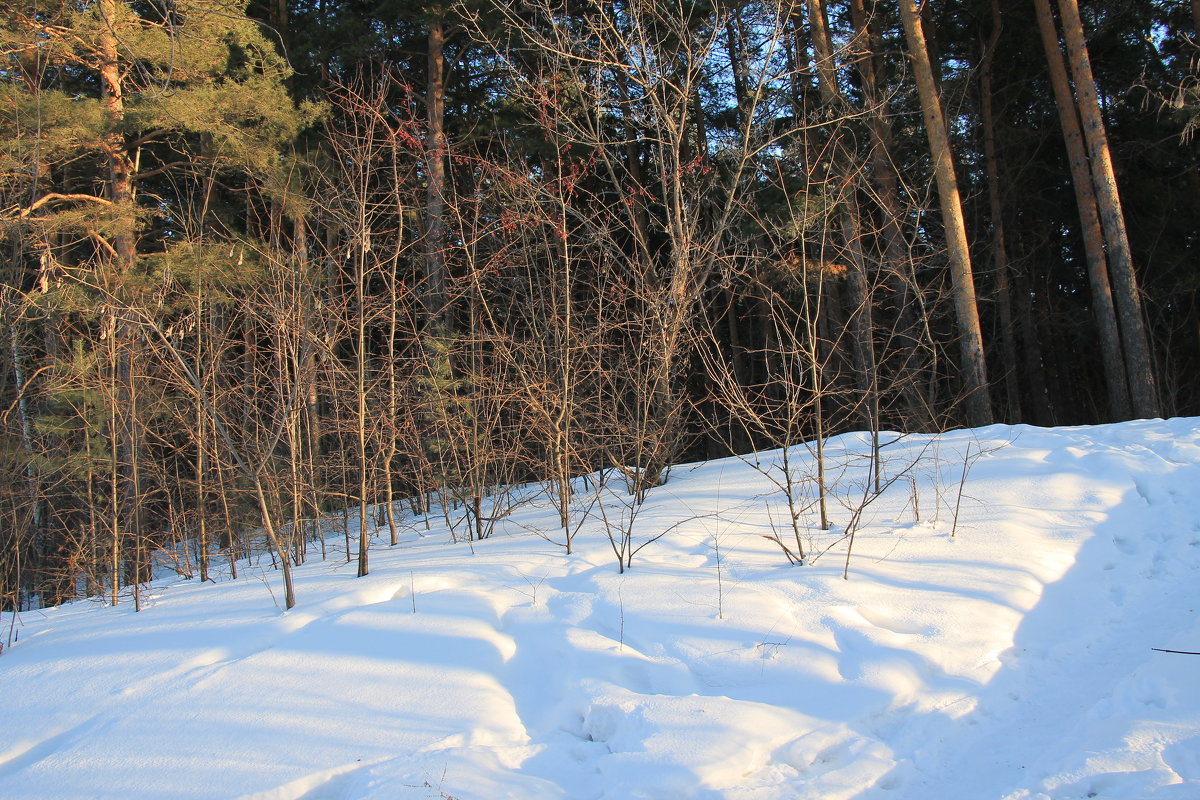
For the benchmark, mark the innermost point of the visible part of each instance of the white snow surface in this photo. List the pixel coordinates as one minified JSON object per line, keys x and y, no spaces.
{"x":1003,"y":651}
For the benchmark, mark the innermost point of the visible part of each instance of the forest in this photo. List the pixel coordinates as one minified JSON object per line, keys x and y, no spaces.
{"x":268,"y":267}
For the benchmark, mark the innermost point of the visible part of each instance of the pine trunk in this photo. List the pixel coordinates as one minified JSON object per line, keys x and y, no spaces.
{"x":436,"y":154}
{"x":124,"y":251}
{"x":973,"y":366}
{"x":1008,"y":350}
{"x":1138,"y":365}
{"x":1089,"y":217}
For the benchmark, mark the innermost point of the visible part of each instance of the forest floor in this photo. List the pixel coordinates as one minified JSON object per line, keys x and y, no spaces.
{"x":994,"y":639}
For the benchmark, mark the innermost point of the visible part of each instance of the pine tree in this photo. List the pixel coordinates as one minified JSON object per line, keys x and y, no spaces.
{"x":117,"y":121}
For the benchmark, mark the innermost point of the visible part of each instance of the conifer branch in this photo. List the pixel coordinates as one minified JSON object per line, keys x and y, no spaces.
{"x":44,"y":199}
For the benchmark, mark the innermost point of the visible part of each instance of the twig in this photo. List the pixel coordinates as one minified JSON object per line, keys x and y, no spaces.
{"x":961,"y":483}
{"x":266,"y":583}
{"x":621,"y":604}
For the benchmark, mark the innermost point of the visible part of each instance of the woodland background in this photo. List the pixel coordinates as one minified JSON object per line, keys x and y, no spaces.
{"x":263,"y":264}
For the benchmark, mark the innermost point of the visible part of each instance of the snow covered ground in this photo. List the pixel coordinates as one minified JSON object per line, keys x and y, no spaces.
{"x":1012,"y":659}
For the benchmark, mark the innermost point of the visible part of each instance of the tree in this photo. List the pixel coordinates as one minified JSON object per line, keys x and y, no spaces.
{"x":674,"y":190}
{"x":974,"y":368}
{"x":116,"y":119}
{"x":534,"y":240}
{"x":1115,"y":373}
{"x":1138,"y":360}
{"x":845,"y":190}
{"x":1000,"y":259}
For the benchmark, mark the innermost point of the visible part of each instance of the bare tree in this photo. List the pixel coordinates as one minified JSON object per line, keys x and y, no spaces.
{"x":634,"y":73}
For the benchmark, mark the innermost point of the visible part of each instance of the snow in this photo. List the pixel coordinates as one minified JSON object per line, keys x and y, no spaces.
{"x":993,"y":640}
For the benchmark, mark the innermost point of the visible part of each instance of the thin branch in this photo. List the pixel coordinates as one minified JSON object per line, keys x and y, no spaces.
{"x":44,"y":199}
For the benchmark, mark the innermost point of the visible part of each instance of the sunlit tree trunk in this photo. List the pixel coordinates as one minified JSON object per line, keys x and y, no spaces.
{"x":122,"y":253}
{"x":973,"y":366}
{"x":1089,"y":216}
{"x":1138,"y":361}
{"x":362,"y":239}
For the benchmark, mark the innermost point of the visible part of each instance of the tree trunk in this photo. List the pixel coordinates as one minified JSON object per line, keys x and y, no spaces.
{"x":1028,"y":316}
{"x":1008,"y":349}
{"x":823,"y":50}
{"x":436,"y":153}
{"x":1138,"y":365}
{"x":861,"y":322}
{"x":1115,"y":376}
{"x":120,"y":186}
{"x":900,"y":277}
{"x":120,"y":165}
{"x":114,"y":478}
{"x":289,"y":590}
{"x":360,"y":386}
{"x":974,"y":368}
{"x":201,"y":443}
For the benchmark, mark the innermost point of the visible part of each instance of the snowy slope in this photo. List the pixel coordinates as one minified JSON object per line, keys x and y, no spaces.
{"x":1012,"y":659}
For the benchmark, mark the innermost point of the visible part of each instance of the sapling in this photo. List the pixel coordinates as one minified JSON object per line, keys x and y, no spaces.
{"x":13,"y":634}
{"x":869,"y":494}
{"x":717,"y":551}
{"x":620,"y":530}
{"x":914,"y":499}
{"x":968,"y":463}
{"x":720,"y":584}
{"x":962,"y":480}
{"x":621,"y":610}
{"x":793,"y":558}
{"x":271,"y":591}
{"x":532,"y":594}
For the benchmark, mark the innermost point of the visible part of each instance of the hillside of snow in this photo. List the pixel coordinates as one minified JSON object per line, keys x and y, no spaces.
{"x":994,"y":639}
